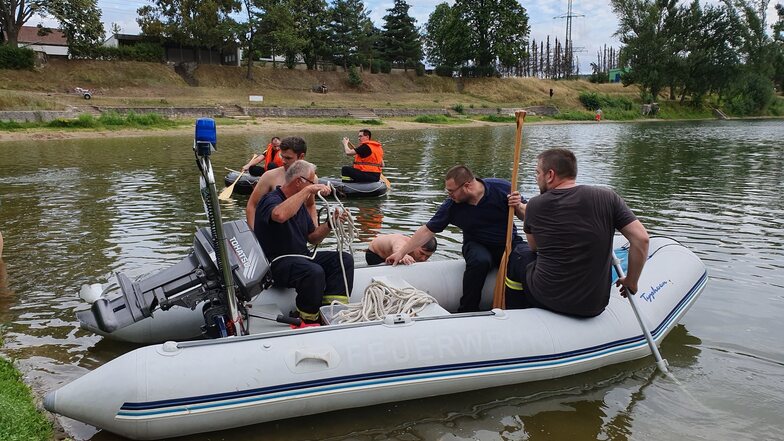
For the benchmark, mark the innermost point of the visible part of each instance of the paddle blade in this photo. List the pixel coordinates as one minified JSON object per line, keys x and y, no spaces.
{"x":385,"y":181}
{"x":226,"y":193}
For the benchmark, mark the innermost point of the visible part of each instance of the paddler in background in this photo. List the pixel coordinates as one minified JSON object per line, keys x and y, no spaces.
{"x":368,"y":159}
{"x":270,"y":159}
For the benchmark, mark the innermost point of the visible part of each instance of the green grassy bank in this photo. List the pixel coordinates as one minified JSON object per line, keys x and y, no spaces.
{"x":20,"y":420}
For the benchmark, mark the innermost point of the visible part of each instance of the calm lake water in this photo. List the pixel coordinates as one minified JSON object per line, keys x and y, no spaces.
{"x":73,"y":212}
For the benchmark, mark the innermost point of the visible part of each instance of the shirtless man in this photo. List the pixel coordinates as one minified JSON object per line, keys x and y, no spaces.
{"x":384,"y":245}
{"x":291,"y":149}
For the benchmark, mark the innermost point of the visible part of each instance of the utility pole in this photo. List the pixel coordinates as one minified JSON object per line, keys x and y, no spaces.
{"x":569,"y":49}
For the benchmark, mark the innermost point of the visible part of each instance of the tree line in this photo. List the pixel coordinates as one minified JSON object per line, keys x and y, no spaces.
{"x":691,"y":51}
{"x":687,"y":49}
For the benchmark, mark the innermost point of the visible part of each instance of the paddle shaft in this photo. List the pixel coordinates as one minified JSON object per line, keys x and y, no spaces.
{"x":499,"y":293}
{"x":660,"y":362}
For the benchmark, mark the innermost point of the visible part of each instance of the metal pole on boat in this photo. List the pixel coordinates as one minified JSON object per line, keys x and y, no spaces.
{"x":204,"y":143}
{"x":660,"y":362}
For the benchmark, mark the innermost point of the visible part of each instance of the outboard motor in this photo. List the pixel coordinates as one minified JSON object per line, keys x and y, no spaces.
{"x":194,"y":280}
{"x":226,"y":265}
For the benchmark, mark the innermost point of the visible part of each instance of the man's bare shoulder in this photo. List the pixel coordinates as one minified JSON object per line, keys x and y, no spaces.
{"x":273,"y":178}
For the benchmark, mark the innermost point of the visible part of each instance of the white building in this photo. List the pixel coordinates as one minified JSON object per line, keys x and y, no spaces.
{"x":53,"y":44}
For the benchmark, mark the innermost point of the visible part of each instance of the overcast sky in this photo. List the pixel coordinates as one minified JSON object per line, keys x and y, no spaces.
{"x":593,"y":29}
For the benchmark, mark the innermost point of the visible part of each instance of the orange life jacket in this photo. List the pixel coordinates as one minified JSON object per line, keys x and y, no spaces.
{"x":271,"y":155}
{"x":372,"y":163}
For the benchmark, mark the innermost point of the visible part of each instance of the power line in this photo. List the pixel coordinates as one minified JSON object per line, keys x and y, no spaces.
{"x":569,"y":48}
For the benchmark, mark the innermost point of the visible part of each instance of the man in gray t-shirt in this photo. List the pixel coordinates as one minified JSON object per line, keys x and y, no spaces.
{"x":570,"y":228}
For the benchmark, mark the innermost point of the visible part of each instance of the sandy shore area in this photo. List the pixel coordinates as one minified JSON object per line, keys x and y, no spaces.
{"x":282,"y":125}
{"x":288,"y":126}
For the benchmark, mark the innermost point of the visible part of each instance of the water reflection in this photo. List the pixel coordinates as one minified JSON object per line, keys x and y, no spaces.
{"x":7,"y":297}
{"x":79,"y":210}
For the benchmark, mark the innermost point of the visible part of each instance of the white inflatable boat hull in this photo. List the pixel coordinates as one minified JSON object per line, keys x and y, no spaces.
{"x":177,"y":389}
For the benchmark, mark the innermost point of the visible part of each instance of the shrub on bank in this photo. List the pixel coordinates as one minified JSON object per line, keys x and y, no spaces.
{"x":593,"y":101}
{"x":432,"y":119}
{"x":147,"y":119}
{"x":148,"y":52}
{"x":354,"y":79}
{"x":576,"y":115}
{"x":776,"y":108}
{"x":498,"y":118}
{"x":16,"y":57}
{"x":750,"y":96}
{"x":84,"y":121}
{"x":445,"y":71}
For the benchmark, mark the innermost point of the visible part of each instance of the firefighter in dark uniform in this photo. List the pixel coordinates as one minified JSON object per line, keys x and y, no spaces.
{"x":284,"y":227}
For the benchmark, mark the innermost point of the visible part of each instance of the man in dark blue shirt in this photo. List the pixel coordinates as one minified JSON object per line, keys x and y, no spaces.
{"x":480,"y":208}
{"x":284,"y":227}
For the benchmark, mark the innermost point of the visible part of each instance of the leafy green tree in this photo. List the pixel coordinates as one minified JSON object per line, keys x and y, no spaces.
{"x":712,"y":63}
{"x":277,"y":33}
{"x":480,"y":33}
{"x":311,"y":17}
{"x":652,"y":33}
{"x":80,"y":20}
{"x":194,"y":23}
{"x":400,"y":40}
{"x":753,"y":91}
{"x":446,"y":41}
{"x":778,"y":38}
{"x":496,"y":28}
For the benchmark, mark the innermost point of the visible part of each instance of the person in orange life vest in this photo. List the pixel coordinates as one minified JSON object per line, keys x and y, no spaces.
{"x":270,"y":159}
{"x":368,"y":159}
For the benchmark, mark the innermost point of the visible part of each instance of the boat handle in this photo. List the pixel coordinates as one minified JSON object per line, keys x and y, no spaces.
{"x":300,"y":356}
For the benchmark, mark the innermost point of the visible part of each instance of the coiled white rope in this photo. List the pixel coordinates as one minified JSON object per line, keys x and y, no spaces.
{"x":381,"y":300}
{"x":344,"y":231}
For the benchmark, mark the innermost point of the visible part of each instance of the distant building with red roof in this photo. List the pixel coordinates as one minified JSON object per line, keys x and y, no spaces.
{"x":53,"y":44}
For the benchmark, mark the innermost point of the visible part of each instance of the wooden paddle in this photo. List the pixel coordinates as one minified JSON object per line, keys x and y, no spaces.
{"x":226,"y":193}
{"x":499,"y":297}
{"x":381,"y":177}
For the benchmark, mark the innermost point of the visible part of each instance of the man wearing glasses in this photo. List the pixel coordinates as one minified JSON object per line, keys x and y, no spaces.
{"x":368,"y":159}
{"x":480,"y":208}
{"x":284,"y":228}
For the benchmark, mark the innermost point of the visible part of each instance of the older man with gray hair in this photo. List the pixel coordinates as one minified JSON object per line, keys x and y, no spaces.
{"x":284,"y":228}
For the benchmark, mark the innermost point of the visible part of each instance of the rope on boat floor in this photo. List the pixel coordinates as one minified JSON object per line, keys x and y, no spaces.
{"x":381,"y":300}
